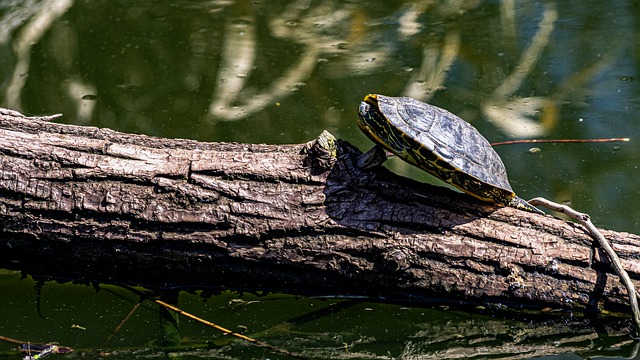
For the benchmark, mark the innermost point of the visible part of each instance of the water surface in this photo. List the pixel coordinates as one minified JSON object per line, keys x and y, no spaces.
{"x":283,"y":71}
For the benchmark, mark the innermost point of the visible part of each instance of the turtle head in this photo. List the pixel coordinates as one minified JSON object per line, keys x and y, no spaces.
{"x":370,"y":120}
{"x":368,"y":111}
{"x":375,"y":124}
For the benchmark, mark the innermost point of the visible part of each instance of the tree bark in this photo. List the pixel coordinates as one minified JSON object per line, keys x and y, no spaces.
{"x":89,"y":204}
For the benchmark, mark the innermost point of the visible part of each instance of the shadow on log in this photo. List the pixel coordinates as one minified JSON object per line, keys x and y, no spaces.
{"x":89,"y":204}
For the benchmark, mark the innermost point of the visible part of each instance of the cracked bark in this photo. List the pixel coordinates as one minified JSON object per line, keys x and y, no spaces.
{"x":89,"y":204}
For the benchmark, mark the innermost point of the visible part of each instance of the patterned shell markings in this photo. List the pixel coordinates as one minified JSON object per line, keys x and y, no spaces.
{"x":454,"y":140}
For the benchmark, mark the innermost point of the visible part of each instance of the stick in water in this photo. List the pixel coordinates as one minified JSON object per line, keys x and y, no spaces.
{"x":215,"y":326}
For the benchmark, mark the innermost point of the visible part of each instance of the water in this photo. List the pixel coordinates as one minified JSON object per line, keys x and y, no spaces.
{"x":281,"y":72}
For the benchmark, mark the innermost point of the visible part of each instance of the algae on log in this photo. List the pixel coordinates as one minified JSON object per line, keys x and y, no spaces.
{"x":89,"y":204}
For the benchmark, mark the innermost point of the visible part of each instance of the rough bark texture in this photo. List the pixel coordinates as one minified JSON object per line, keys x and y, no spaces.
{"x":93,"y":204}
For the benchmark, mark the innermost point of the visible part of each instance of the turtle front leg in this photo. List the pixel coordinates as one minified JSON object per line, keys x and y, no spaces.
{"x":372,"y":158}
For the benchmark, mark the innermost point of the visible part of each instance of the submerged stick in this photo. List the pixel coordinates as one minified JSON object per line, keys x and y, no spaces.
{"x":126,"y":318}
{"x":585,"y":220}
{"x":215,"y":326}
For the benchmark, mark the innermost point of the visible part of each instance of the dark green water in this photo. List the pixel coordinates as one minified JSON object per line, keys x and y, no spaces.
{"x":281,"y":72}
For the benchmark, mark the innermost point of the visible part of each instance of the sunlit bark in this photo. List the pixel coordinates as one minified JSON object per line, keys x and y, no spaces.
{"x":98,"y":205}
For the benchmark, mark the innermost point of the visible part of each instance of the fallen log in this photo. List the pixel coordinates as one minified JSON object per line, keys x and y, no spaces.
{"x":88,"y":204}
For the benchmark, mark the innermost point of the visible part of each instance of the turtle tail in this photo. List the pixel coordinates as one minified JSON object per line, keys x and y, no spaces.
{"x":522,"y":204}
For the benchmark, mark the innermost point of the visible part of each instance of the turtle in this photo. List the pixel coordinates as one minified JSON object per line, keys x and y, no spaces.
{"x":438,"y":142}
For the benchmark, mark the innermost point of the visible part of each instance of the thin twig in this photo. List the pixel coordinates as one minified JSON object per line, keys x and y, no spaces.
{"x":135,"y":307}
{"x":540,"y":141}
{"x":215,"y":326}
{"x":585,"y":220}
{"x":10,"y":340}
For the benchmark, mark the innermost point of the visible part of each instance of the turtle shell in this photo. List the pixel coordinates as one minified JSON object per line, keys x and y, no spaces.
{"x":438,"y":142}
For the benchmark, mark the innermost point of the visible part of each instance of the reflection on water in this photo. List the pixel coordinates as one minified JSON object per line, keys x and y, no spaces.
{"x":282,"y":71}
{"x":106,"y":321}
{"x":249,"y":74}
